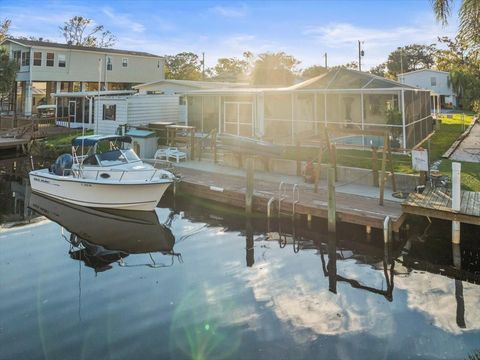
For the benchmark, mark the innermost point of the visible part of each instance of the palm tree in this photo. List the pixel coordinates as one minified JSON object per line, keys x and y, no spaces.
{"x":469,"y":15}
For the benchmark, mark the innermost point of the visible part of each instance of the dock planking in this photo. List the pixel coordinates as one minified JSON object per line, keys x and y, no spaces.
{"x":231,"y":189}
{"x":437,"y":203}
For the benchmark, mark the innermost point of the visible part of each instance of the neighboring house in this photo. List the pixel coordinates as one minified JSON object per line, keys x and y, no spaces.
{"x":438,"y":82}
{"x":178,"y":87}
{"x":339,"y":98}
{"x":67,"y":68}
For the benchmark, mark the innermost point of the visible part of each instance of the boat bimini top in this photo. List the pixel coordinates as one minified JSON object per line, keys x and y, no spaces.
{"x":91,"y":140}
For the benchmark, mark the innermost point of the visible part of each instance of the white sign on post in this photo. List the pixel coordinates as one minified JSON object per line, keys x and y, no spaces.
{"x":420,"y":160}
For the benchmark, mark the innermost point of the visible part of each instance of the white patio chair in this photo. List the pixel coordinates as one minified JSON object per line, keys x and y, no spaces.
{"x":160,"y":155}
{"x":176,"y":154}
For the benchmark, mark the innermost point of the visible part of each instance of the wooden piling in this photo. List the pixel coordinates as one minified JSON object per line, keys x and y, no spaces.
{"x":384,"y":164}
{"x":375,"y":166}
{"x":332,"y":211}
{"x":297,"y":157}
{"x":249,"y":189}
{"x":456,"y":196}
{"x":318,"y":168}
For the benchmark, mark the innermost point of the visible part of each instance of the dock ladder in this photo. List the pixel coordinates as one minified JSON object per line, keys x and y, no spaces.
{"x":282,"y":195}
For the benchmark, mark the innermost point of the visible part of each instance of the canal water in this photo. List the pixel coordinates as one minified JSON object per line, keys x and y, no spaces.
{"x":194,"y":280}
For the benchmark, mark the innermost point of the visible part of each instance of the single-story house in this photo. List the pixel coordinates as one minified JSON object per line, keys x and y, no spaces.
{"x":438,"y":82}
{"x":339,"y":98}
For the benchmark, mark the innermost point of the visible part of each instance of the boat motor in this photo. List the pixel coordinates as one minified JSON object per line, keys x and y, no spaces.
{"x":62,"y":165}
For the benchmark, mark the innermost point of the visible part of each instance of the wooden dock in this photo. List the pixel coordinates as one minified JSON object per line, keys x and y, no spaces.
{"x":12,"y":143}
{"x":231,"y":190}
{"x":437,"y":203}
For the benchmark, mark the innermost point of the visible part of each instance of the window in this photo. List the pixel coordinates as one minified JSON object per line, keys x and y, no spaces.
{"x":61,"y":60}
{"x":37,"y":58}
{"x":125,"y":62}
{"x":25,"y":58}
{"x":17,"y":56}
{"x":182,"y":100}
{"x":109,"y":63}
{"x":109,"y":112}
{"x":433,"y":81}
{"x":50,"y":59}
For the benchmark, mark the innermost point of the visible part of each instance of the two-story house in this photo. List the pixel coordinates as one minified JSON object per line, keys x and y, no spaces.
{"x":53,"y":68}
{"x":438,"y":82}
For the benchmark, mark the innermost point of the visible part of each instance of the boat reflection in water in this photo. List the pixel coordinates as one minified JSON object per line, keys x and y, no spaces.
{"x":102,"y":237}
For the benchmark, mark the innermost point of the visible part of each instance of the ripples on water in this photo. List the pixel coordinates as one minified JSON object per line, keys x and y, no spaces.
{"x":194,"y":280}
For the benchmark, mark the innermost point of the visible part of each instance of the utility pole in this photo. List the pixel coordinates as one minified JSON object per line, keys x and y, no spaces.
{"x":360,"y":55}
{"x":203,"y":66}
{"x":326,"y":62}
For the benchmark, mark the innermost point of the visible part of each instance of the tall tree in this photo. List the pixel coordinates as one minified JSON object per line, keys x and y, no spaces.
{"x":230,"y":69}
{"x":379,"y":70}
{"x":463,"y":63}
{"x":183,"y":66}
{"x":8,"y":72}
{"x":410,"y":58}
{"x":4,"y":26}
{"x":79,"y":30}
{"x":469,"y":16}
{"x":313,"y":71}
{"x":274,"y":69}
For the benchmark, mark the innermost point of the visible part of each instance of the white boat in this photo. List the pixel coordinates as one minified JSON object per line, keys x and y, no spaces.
{"x":108,"y":176}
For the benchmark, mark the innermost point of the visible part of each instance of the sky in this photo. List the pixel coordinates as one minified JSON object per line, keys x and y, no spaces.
{"x":304,"y":29}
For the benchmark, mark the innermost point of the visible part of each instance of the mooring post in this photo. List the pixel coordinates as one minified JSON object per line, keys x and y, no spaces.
{"x":249,"y":190}
{"x":332,"y":211}
{"x":297,"y":157}
{"x":387,"y":237}
{"x":375,"y":166}
{"x":456,"y":196}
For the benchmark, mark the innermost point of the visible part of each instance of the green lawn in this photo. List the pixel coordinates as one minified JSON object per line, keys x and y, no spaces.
{"x":64,"y":139}
{"x":441,"y":140}
{"x":456,"y":118}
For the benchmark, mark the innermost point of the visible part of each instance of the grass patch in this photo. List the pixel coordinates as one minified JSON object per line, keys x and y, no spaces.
{"x":462,"y":119}
{"x":64,"y":139}
{"x":442,"y":139}
{"x":440,"y":142}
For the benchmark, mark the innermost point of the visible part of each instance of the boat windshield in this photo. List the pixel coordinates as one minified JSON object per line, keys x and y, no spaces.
{"x":117,"y":157}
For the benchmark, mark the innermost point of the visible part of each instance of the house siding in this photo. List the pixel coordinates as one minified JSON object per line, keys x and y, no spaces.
{"x":138,"y":110}
{"x":82,"y":65}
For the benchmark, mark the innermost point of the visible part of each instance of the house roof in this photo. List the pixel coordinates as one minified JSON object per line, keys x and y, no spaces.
{"x":195,"y":84}
{"x":347,"y":79}
{"x":334,"y":80}
{"x":422,"y":70}
{"x":31,"y":43}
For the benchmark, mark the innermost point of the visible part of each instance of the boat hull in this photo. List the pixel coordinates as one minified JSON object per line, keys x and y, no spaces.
{"x":142,"y":196}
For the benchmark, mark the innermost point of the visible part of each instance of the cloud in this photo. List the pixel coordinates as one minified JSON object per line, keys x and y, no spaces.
{"x":229,"y":11}
{"x":123,"y":20}
{"x":344,"y":34}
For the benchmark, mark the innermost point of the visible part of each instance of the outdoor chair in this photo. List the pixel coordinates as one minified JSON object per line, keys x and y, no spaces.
{"x":173,"y":152}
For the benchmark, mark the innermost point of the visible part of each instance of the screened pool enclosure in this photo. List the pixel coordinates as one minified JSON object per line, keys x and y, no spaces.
{"x":340,"y":98}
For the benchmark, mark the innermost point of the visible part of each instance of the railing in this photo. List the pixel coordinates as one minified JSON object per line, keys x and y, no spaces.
{"x":213,"y":136}
{"x":120,"y":174}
